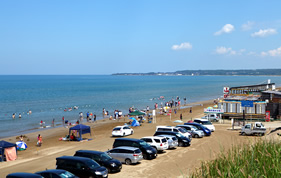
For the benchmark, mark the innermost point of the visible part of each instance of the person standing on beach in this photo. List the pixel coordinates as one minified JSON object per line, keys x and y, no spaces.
{"x":53,"y":123}
{"x":184,"y":99}
{"x":95,"y":117}
{"x":190,"y":111}
{"x":62,"y":120}
{"x":88,"y":116}
{"x":40,"y":141}
{"x":181,"y":116}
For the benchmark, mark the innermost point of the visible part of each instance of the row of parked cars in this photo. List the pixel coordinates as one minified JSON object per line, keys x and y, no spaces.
{"x":89,"y":163}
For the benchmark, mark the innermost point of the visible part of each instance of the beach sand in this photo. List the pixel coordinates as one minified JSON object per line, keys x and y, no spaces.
{"x":172,"y":163}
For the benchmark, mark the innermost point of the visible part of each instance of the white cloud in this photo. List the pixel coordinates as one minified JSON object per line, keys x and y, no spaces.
{"x":229,"y":51}
{"x":224,"y":50}
{"x":248,"y":26}
{"x":182,"y":46}
{"x":272,"y":53}
{"x":264,"y":33}
{"x":228,"y":28}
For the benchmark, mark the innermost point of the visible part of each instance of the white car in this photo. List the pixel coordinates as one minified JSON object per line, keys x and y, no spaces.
{"x":174,"y":129}
{"x":159,"y":143}
{"x":122,"y":131}
{"x":206,"y":123}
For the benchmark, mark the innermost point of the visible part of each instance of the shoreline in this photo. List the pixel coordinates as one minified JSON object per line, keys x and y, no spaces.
{"x":38,"y":129}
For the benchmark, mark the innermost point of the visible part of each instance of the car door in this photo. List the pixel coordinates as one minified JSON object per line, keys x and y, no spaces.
{"x":127,"y":130}
{"x":114,"y":154}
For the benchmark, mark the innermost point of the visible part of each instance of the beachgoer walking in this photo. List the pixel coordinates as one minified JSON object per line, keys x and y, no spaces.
{"x":40,"y":141}
{"x":175,"y":111}
{"x":181,"y":116}
{"x":190,"y":111}
{"x":95,"y":117}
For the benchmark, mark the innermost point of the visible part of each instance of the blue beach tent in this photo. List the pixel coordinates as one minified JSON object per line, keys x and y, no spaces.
{"x":81,"y":129}
{"x":3,"y":145}
{"x":135,"y":123}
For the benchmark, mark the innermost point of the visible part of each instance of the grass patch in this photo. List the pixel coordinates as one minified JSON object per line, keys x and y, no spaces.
{"x":262,"y":159}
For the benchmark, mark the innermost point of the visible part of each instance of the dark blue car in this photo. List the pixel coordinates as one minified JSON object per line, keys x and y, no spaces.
{"x":206,"y":131}
{"x":56,"y":173}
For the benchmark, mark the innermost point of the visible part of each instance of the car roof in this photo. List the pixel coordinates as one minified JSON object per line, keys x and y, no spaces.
{"x":77,"y":158}
{"x":192,"y":123}
{"x":166,"y":136}
{"x":162,"y":126}
{"x":129,"y":139}
{"x":23,"y":175}
{"x":201,"y":119}
{"x":126,"y":148}
{"x":58,"y":171}
{"x":157,"y":137}
{"x":166,"y":132}
{"x":89,"y":151}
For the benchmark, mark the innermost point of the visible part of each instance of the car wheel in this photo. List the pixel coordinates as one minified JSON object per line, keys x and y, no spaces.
{"x":128,"y":161}
{"x":108,"y":170}
{"x":196,"y":136}
{"x":145,"y":156}
{"x":123,"y":134}
{"x":132,"y":132}
{"x":180,"y":144}
{"x":243,"y":133}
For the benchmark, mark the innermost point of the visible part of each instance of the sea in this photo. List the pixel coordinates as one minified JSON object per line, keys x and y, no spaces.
{"x":50,"y":97}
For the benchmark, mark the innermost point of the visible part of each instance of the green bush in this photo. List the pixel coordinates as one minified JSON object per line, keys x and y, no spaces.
{"x":262,"y":159}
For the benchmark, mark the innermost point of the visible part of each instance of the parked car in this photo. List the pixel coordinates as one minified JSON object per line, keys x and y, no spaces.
{"x":56,"y":173}
{"x":112,"y":165}
{"x":206,"y":123}
{"x":193,"y":130}
{"x":159,"y":143}
{"x":172,"y":141}
{"x":126,"y":154}
{"x":81,"y":166}
{"x":211,"y":117}
{"x":206,"y":131}
{"x":174,"y":129}
{"x":23,"y":175}
{"x":122,"y":131}
{"x":182,"y":140}
{"x":148,"y":152}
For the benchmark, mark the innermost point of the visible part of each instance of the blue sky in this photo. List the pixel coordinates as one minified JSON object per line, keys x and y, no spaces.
{"x":105,"y":37}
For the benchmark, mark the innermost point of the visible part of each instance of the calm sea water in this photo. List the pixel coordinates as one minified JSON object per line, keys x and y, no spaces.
{"x":48,"y":96}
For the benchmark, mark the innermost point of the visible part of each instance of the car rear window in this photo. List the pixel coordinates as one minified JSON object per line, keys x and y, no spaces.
{"x":174,"y":138}
{"x":117,"y":128}
{"x":163,"y":140}
{"x":138,"y":151}
{"x":157,"y":140}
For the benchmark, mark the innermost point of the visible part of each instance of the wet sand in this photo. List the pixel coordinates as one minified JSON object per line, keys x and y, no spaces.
{"x":171,"y":163}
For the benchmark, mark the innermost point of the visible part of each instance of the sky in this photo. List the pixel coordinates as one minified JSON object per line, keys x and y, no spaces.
{"x":90,"y":37}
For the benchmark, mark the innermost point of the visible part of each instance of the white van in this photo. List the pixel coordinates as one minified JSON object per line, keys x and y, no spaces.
{"x":174,"y":129}
{"x":206,"y":123}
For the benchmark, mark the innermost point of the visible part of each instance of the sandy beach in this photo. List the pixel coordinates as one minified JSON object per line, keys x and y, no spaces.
{"x":171,"y":163}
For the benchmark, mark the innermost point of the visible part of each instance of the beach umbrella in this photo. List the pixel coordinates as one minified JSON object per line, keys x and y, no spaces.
{"x":21,"y":145}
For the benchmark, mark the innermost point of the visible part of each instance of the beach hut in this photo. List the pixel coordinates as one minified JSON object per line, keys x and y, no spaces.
{"x":81,"y":129}
{"x":7,"y":151}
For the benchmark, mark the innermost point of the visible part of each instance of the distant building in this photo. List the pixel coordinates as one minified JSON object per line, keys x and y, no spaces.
{"x":261,"y":98}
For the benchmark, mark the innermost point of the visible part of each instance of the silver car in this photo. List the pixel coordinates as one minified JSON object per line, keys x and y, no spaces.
{"x":126,"y":154}
{"x":193,"y":130}
{"x":172,"y":140}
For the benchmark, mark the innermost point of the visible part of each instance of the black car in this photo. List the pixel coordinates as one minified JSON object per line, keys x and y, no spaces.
{"x":81,"y":166}
{"x":182,"y":140}
{"x":56,"y":173}
{"x":147,"y":151}
{"x":23,"y":175}
{"x":112,"y":165}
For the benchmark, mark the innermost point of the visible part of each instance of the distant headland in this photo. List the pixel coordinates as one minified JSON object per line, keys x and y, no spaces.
{"x":253,"y":72}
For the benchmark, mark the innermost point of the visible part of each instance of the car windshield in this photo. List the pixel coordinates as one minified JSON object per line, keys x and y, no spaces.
{"x":118,"y":128}
{"x":179,"y":135}
{"x":203,"y":127}
{"x":206,"y":123}
{"x":105,"y":157}
{"x":92,"y":164}
{"x":182,"y":130}
{"x":143,"y":143}
{"x":67,"y":174}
